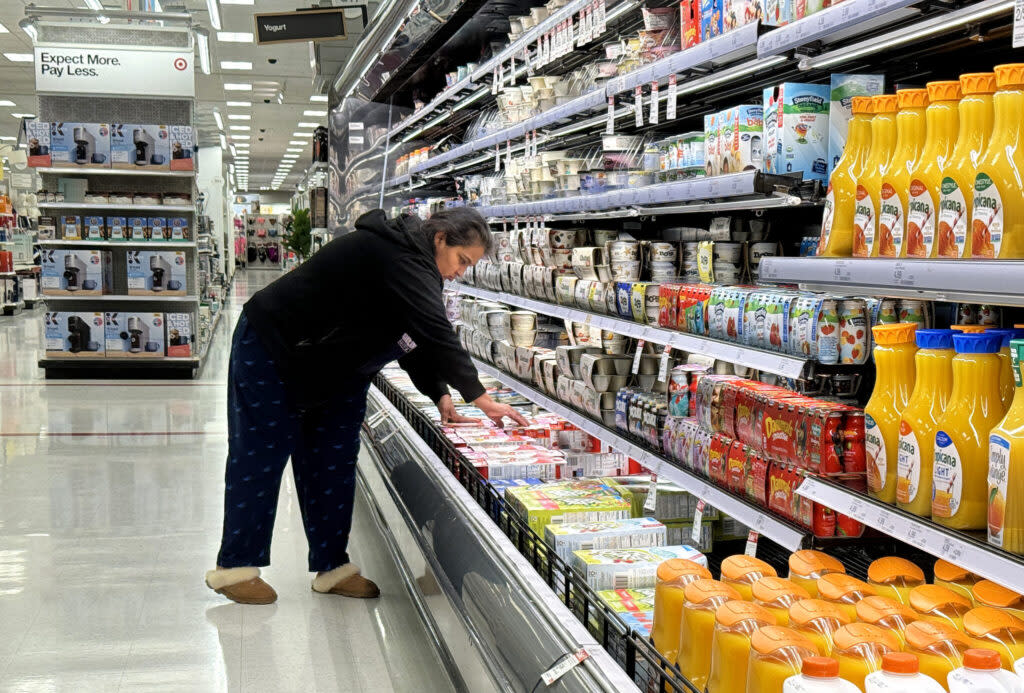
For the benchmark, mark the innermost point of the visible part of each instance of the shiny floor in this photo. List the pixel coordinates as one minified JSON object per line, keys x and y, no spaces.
{"x":110,"y":512}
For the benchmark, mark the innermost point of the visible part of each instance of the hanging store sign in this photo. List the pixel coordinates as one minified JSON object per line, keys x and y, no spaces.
{"x":129,"y":71}
{"x":308,"y":25}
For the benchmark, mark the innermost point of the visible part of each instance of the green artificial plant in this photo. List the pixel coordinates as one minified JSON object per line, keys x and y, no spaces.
{"x":299,"y":241}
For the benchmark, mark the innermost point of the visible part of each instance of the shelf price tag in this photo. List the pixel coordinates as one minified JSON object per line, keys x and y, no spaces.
{"x":539,"y":51}
{"x":512,"y":70}
{"x":495,"y":81}
{"x":563,"y":666}
{"x":602,"y":16}
{"x":526,"y":60}
{"x":654,"y":103}
{"x":638,"y":105}
{"x":637,"y":355}
{"x":651,"y":504}
{"x":534,"y":143}
{"x":670,"y":108}
{"x":548,"y":47}
{"x":666,"y":358}
{"x":698,"y":520}
{"x":752,"y":538}
{"x":497,"y":157}
{"x":610,"y":126}
{"x":508,"y":155}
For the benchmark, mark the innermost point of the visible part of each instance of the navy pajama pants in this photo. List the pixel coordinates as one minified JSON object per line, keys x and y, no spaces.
{"x":264,"y":431}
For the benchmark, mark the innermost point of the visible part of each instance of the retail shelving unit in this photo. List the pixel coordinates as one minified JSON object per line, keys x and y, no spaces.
{"x":264,"y":243}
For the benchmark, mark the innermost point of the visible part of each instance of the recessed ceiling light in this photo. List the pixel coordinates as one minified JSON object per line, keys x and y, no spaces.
{"x":296,"y":142}
{"x":7,"y":103}
{"x":309,"y":125}
{"x":235,"y":65}
{"x":238,"y":86}
{"x":20,"y":57}
{"x":237,"y":2}
{"x":234,"y":37}
{"x":318,"y":98}
{"x":240,"y":104}
{"x":242,"y":128}
{"x":24,"y":115}
{"x":295,"y":149}
{"x":315,"y":114}
{"x":244,"y":146}
{"x":302,"y":134}
{"x":240,"y":137}
{"x":239,"y":116}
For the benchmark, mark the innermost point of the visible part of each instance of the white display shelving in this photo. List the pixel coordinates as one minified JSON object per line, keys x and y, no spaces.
{"x":103,"y":206}
{"x":117,"y":244}
{"x":845,"y":19}
{"x":155,"y":298}
{"x":68,"y":171}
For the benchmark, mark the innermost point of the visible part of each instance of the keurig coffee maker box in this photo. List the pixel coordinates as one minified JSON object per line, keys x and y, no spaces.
{"x":157,"y":272}
{"x":139,"y":146}
{"x":134,"y":335}
{"x":76,"y":272}
{"x":80,"y":145}
{"x":73,"y":334}
{"x":183,"y":140}
{"x":37,"y":133}
{"x":180,"y":334}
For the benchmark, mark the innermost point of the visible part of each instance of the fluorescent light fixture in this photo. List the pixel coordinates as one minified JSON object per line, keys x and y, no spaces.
{"x":309,"y":125}
{"x":295,"y":149}
{"x":318,"y":98}
{"x":302,"y":134}
{"x":299,"y":142}
{"x":20,"y":57}
{"x":5,"y":102}
{"x":241,"y":128}
{"x":8,"y":139}
{"x":223,"y":141}
{"x":203,"y":43}
{"x":237,"y":86}
{"x":94,"y":4}
{"x":730,"y":75}
{"x":3,"y":29}
{"x":244,"y":146}
{"x":217,"y":119}
{"x":315,"y":114}
{"x":234,"y":36}
{"x":24,"y":115}
{"x":240,"y":137}
{"x":234,"y":64}
{"x":29,"y":27}
{"x":237,"y":2}
{"x":239,"y":116}
{"x":211,"y":7}
{"x":290,"y":157}
{"x":240,"y":104}
{"x":479,"y":94}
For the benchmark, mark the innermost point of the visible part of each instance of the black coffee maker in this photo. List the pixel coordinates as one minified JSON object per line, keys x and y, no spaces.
{"x":137,"y":334}
{"x":143,"y":143}
{"x":161,"y":270}
{"x":78,"y":334}
{"x":74,"y":272}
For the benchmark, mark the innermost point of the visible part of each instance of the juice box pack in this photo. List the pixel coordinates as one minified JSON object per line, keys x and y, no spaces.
{"x":796,"y":129}
{"x":620,"y":569}
{"x":604,"y":534}
{"x":634,"y":607}
{"x":582,"y":500}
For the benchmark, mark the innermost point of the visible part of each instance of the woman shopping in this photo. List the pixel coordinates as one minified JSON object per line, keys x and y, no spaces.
{"x":303,"y":353}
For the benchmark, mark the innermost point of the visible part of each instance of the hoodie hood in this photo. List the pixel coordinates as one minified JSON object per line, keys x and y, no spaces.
{"x":403,"y":231}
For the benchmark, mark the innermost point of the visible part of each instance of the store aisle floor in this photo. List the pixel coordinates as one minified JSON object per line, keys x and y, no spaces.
{"x":110,"y":512}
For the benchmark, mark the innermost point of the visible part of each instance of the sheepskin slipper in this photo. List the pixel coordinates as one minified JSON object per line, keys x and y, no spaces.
{"x":241,"y":585}
{"x":346,"y":581}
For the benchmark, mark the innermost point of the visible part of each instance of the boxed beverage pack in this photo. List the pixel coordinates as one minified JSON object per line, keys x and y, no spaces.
{"x":180,"y":334}
{"x":607,"y":534}
{"x":621,"y":569}
{"x":796,"y":129}
{"x":157,"y":272}
{"x":37,"y":134}
{"x":94,"y":228}
{"x":634,"y":607}
{"x":840,"y":109}
{"x":76,"y":272}
{"x":158,"y":229}
{"x":139,"y":146}
{"x":183,"y":140}
{"x":71,"y":228}
{"x":138,"y":229}
{"x":117,"y":229}
{"x":712,"y":160}
{"x":177,"y":229}
{"x":73,"y":334}
{"x":80,"y":145}
{"x":742,"y":148}
{"x":581,"y":500}
{"x":134,"y":334}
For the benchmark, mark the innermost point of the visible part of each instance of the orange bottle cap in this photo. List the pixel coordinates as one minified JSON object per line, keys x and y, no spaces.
{"x":944,"y":91}
{"x":912,"y":98}
{"x":992,"y":594}
{"x":977,"y":658}
{"x":927,"y":598}
{"x":921,"y":635}
{"x":855,"y":634}
{"x":820,"y":667}
{"x":1009,"y":75}
{"x":897,"y":333}
{"x":744,"y":568}
{"x":862,"y":105}
{"x":835,"y":586}
{"x":978,"y":82}
{"x":770,"y":588}
{"x":885,"y":103}
{"x":773,"y":638}
{"x":892,"y":569}
{"x":736,"y":611}
{"x":983,"y":620}
{"x":703,"y":591}
{"x":900,"y":663}
{"x":874,"y":609}
{"x":675,"y":568}
{"x":808,"y":610}
{"x":969,"y":329}
{"x":808,"y":562}
{"x":948,"y":572}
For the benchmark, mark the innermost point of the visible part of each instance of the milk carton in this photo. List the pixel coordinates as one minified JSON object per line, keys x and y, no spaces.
{"x":840,"y":110}
{"x":796,"y":129}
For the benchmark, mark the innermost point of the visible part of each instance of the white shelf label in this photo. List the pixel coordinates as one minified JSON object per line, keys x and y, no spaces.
{"x":670,"y":109}
{"x":637,"y":355}
{"x":638,"y":105}
{"x":698,"y":521}
{"x":609,"y":128}
{"x":654,"y":103}
{"x":752,"y":538}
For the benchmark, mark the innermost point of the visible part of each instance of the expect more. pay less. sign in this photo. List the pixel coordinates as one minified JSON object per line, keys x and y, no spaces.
{"x":133,"y":72}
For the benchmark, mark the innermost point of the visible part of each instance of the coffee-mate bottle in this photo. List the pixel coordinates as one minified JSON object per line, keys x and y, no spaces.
{"x":933,"y":364}
{"x":960,"y":472}
{"x":840,"y":201}
{"x":910,"y":133}
{"x":942,"y":120}
{"x":1005,"y":476}
{"x":869,"y":183}
{"x":997,"y":216}
{"x":894,"y":381}
{"x":976,"y":116}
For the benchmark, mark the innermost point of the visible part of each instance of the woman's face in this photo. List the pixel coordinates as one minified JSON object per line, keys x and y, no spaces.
{"x":454,"y":260}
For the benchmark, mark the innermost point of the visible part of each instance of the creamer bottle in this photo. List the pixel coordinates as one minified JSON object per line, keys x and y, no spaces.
{"x":894,"y":381}
{"x":988,"y":593}
{"x":741,"y":571}
{"x":960,"y":472}
{"x":859,"y":649}
{"x":735,"y":622}
{"x":841,"y":198}
{"x":998,"y":630}
{"x":939,"y":605}
{"x":672,"y":578}
{"x":894,"y":577}
{"x":981,"y":673}
{"x":844,"y":591}
{"x":976,"y":116}
{"x":1006,"y":380}
{"x":939,"y":647}
{"x":954,"y":577}
{"x":933,"y":365}
{"x":703,"y":597}
{"x":900,"y":674}
{"x":777,"y":595}
{"x":818,"y":675}
{"x":776,"y":654}
{"x":807,"y":565}
{"x":943,"y":123}
{"x":1005,"y":444}
{"x":997,"y":216}
{"x":869,"y":183}
{"x":818,"y":620}
{"x":910,"y":132}
{"x":886,"y":613}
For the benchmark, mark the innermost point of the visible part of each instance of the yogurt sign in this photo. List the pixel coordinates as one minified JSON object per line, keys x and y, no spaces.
{"x":129,"y":71}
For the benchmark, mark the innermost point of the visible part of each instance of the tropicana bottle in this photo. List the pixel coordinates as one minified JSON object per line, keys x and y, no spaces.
{"x":976,"y":116}
{"x":943,"y":122}
{"x":894,"y":381}
{"x":869,"y":183}
{"x":840,"y":201}
{"x":1006,"y":444}
{"x":910,"y":132}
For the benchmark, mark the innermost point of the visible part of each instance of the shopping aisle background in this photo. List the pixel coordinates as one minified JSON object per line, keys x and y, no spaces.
{"x":110,"y":512}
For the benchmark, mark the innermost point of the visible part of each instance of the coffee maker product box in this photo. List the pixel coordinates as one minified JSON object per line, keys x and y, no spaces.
{"x":139,"y":146}
{"x":80,"y":145}
{"x":162,"y":272}
{"x":134,"y":335}
{"x":183,"y":141}
{"x":37,"y":134}
{"x":796,"y":129}
{"x":47,"y":228}
{"x":840,"y":110}
{"x":73,"y":334}
{"x":71,"y":228}
{"x":177,"y":227}
{"x":94,"y":228}
{"x":138,"y":229}
{"x":76,"y":272}
{"x":180,"y":334}
{"x":158,"y":229}
{"x":117,"y":228}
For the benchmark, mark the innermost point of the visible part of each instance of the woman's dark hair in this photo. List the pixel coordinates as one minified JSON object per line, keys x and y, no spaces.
{"x":460,"y":226}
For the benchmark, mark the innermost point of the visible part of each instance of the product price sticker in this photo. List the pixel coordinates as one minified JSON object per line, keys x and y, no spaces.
{"x":666,"y":358}
{"x":651,"y":504}
{"x":673,"y":90}
{"x":637,"y":355}
{"x":610,"y":126}
{"x":698,"y":521}
{"x":654,"y":103}
{"x":495,"y":81}
{"x":638,"y":105}
{"x":526,"y":61}
{"x":564,"y":666}
{"x":752,"y":538}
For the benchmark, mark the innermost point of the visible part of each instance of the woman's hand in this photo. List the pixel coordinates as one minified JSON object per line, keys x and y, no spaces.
{"x":496,"y":411}
{"x":448,"y":413}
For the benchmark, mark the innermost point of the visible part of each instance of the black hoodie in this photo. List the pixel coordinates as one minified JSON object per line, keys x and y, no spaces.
{"x":363,"y":300}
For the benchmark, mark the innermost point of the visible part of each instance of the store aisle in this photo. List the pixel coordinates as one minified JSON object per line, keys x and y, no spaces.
{"x":110,"y":512}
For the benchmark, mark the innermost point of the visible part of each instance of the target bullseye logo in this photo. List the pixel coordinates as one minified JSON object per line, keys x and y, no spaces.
{"x":180,"y":64}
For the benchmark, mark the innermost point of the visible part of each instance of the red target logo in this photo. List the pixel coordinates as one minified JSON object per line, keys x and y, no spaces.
{"x":180,"y":64}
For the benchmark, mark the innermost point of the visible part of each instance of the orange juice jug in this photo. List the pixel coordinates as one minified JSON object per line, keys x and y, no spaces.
{"x":955,"y":578}
{"x":844,"y":591}
{"x":818,"y":675}
{"x":735,"y":622}
{"x":1007,"y":386}
{"x":933,"y":365}
{"x":859,"y":649}
{"x":988,"y":593}
{"x":901,"y":673}
{"x":818,"y":621}
{"x":894,"y":577}
{"x":939,"y":605}
{"x":777,"y":595}
{"x":993,"y":629}
{"x":869,"y":182}
{"x":997,"y":216}
{"x":703,"y":597}
{"x":807,"y":565}
{"x":841,"y":198}
{"x":894,"y":381}
{"x":960,"y":471}
{"x":886,"y":613}
{"x":939,"y":648}
{"x":942,"y":121}
{"x":741,"y":572}
{"x":910,"y":132}
{"x":672,"y":577}
{"x":976,"y":116}
{"x":1006,"y":443}
{"x":776,"y":653}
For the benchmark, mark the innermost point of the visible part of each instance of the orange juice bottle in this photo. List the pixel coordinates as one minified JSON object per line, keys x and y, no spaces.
{"x":976,"y":116}
{"x":807,"y":565}
{"x":894,"y":577}
{"x":960,"y":472}
{"x":910,"y":133}
{"x":933,"y":365}
{"x":844,"y":591}
{"x":1007,"y":386}
{"x":1006,"y":443}
{"x":997,"y":217}
{"x":988,"y":593}
{"x":777,"y":595}
{"x":942,"y":120}
{"x":741,"y":571}
{"x":841,"y":198}
{"x":818,"y":621}
{"x":776,"y":653}
{"x":939,"y":605}
{"x":955,"y":578}
{"x":672,"y":578}
{"x":735,"y":622}
{"x":894,"y":381}
{"x":939,"y":647}
{"x":993,"y":629}
{"x":886,"y":613}
{"x":703,"y":597}
{"x":859,"y":649}
{"x":869,"y":182}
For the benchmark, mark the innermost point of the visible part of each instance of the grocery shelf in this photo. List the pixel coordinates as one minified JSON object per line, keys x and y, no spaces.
{"x":115,"y":244}
{"x":100,"y":361}
{"x":397,"y":181}
{"x":69,"y":171}
{"x":116,"y":297}
{"x":848,"y":18}
{"x":959,"y":548}
{"x":111,"y":206}
{"x":783,"y":533}
{"x":971,"y":281}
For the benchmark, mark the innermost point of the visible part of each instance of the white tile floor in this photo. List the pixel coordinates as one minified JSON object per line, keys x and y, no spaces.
{"x":110,"y":512}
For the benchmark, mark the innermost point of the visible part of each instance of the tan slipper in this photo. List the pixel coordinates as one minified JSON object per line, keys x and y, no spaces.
{"x":241,"y":585}
{"x":346,"y":581}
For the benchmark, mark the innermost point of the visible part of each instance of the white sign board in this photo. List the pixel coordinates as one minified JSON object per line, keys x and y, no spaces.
{"x":129,"y":71}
